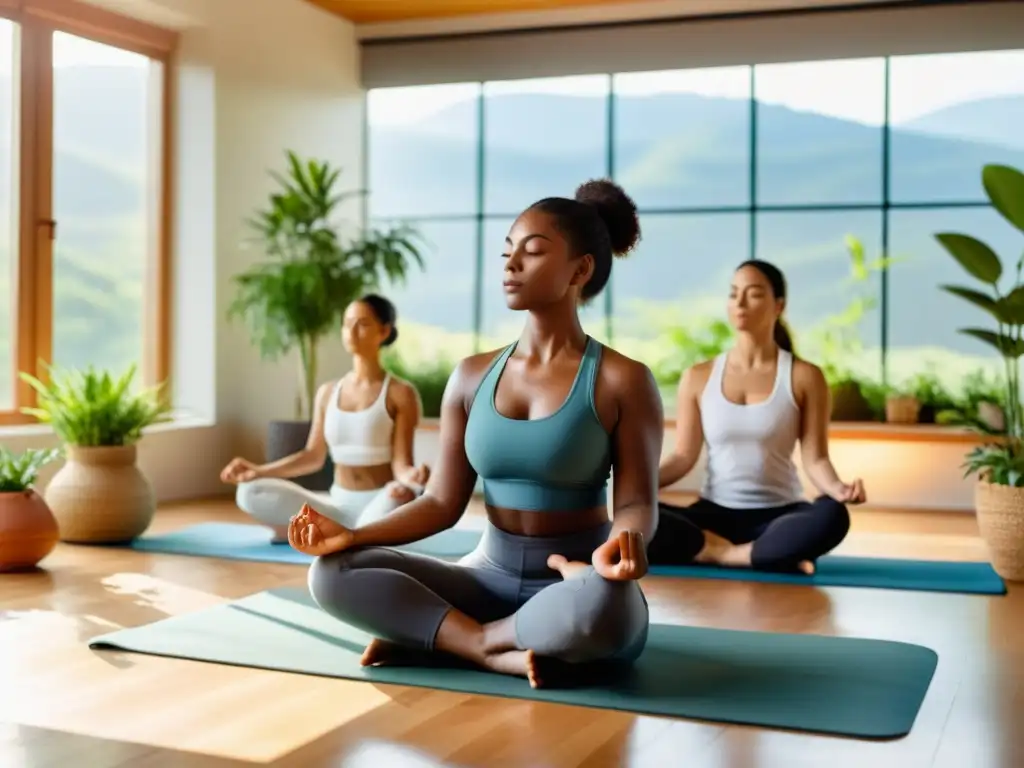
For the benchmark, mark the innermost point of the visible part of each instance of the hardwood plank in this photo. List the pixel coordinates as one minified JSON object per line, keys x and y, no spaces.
{"x":125,"y":710}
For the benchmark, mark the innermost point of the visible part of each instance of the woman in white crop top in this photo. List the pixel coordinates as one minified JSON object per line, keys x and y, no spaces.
{"x":366,"y":422}
{"x":749,"y":407}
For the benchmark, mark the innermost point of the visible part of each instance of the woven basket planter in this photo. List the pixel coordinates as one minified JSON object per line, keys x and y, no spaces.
{"x":902,"y":410}
{"x":1000,"y":510}
{"x":100,"y":496}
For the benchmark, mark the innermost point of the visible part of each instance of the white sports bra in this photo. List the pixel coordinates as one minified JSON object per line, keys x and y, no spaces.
{"x":359,"y":438}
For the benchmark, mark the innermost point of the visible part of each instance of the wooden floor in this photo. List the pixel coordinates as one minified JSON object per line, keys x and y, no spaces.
{"x":64,"y":705}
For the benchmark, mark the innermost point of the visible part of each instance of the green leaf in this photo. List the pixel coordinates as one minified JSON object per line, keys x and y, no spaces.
{"x":1011,"y":307}
{"x":977,"y":298}
{"x":978,"y":259}
{"x":1002,"y":343}
{"x":1005,"y":188}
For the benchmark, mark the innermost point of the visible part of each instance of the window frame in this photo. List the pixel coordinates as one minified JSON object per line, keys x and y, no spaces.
{"x":32,"y":285}
{"x":752,"y":208}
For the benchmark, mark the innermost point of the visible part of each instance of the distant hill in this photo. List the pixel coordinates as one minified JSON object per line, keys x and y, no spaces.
{"x":687,"y":150}
{"x":993,"y":121}
{"x":671,"y":151}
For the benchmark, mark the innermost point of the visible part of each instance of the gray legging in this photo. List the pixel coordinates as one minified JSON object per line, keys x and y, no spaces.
{"x":404,"y":597}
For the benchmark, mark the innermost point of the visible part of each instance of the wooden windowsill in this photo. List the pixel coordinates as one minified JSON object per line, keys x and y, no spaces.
{"x":856,"y":430}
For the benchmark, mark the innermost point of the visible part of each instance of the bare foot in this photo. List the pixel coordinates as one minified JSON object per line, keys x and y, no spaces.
{"x":806,"y":566}
{"x":719,"y":551}
{"x":517,"y":664}
{"x":383,"y":653}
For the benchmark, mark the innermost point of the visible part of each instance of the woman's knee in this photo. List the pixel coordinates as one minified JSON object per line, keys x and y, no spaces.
{"x":835,"y":517}
{"x":329,"y":576}
{"x":587,"y":619}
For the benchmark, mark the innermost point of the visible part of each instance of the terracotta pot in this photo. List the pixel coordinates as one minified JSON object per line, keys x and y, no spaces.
{"x":99,"y":496}
{"x":1000,"y":510}
{"x":903,"y":409}
{"x":28,"y":530}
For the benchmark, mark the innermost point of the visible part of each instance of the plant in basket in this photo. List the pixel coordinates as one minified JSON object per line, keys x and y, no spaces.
{"x":998,"y":464}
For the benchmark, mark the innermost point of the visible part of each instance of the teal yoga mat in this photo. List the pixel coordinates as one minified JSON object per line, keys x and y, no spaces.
{"x":844,"y":686}
{"x":239,"y":541}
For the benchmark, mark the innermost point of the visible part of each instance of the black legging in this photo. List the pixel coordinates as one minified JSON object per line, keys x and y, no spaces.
{"x":782,"y":536}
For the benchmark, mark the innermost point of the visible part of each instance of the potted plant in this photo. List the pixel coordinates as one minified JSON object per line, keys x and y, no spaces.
{"x":28,"y":530}
{"x":902,"y":406}
{"x":99,"y":496}
{"x":297,"y":297}
{"x":999,"y":465}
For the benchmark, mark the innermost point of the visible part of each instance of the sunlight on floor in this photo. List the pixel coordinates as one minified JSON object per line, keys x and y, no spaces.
{"x":54,"y":680}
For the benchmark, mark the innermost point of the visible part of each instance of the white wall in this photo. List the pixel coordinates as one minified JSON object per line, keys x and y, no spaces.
{"x":282,"y":74}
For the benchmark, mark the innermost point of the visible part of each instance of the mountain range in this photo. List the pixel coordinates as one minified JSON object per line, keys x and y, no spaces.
{"x":689,"y":151}
{"x":671,"y":151}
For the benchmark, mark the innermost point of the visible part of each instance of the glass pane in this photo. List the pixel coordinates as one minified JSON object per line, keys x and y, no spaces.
{"x":102,"y":187}
{"x":951,"y":114}
{"x":819,"y":132}
{"x":682,"y":138}
{"x":8,"y":210}
{"x":834,"y":317}
{"x":542,"y":138}
{"x":501,"y":325}
{"x":923,"y":319}
{"x":435,"y":305}
{"x":669,"y":296}
{"x":423,"y":144}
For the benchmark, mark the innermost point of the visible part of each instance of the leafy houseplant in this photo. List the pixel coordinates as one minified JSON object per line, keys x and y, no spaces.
{"x":28,"y":530}
{"x":99,"y":495}
{"x":298,"y":295}
{"x":999,"y":466}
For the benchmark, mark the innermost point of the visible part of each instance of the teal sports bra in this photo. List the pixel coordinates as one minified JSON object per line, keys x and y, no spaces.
{"x":559,"y":462}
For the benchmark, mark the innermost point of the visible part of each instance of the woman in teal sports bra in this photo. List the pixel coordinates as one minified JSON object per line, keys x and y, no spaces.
{"x":544,"y":423}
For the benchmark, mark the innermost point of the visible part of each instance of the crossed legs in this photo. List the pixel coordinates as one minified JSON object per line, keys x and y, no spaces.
{"x":475,"y":611}
{"x":273,"y":501}
{"x":789,"y":538}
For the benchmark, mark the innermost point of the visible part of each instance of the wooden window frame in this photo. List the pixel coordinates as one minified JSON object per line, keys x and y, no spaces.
{"x":33,"y":271}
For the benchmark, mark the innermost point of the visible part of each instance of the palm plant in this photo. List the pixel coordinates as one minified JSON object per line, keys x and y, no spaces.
{"x":298,"y":296}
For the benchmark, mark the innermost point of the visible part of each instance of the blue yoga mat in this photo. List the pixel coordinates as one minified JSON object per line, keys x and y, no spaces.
{"x":240,"y":541}
{"x":846,"y":686}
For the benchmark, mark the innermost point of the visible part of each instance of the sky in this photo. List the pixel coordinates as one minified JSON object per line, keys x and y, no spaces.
{"x":849,"y":89}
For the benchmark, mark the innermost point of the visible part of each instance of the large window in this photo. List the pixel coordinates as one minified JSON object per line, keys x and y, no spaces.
{"x":83,"y":221}
{"x":839,"y":172}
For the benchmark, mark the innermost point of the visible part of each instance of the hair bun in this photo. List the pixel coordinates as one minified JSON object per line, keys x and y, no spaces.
{"x":616,"y":209}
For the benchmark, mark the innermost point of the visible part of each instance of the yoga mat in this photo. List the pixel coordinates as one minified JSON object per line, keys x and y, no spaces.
{"x":845,"y":686}
{"x":240,"y":541}
{"x":869,"y":572}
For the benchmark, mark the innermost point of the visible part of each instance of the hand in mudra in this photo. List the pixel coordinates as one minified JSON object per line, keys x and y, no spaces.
{"x":239,"y":470}
{"x":620,"y":559}
{"x":623,"y":558}
{"x":313,"y":534}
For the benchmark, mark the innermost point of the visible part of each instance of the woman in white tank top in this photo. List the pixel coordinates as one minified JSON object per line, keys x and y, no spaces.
{"x":749,"y":408}
{"x":366,"y":422}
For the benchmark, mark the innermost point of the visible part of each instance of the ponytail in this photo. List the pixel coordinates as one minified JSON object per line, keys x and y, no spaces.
{"x":782,"y":336}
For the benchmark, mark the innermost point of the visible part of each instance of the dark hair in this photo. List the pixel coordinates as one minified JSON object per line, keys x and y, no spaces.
{"x":600,"y":220}
{"x":385,"y":313}
{"x":777,"y":281}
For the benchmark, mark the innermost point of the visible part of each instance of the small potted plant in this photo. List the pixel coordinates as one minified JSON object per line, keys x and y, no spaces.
{"x":902,"y":406}
{"x":998,"y":465}
{"x":99,"y":496}
{"x":28,"y":530}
